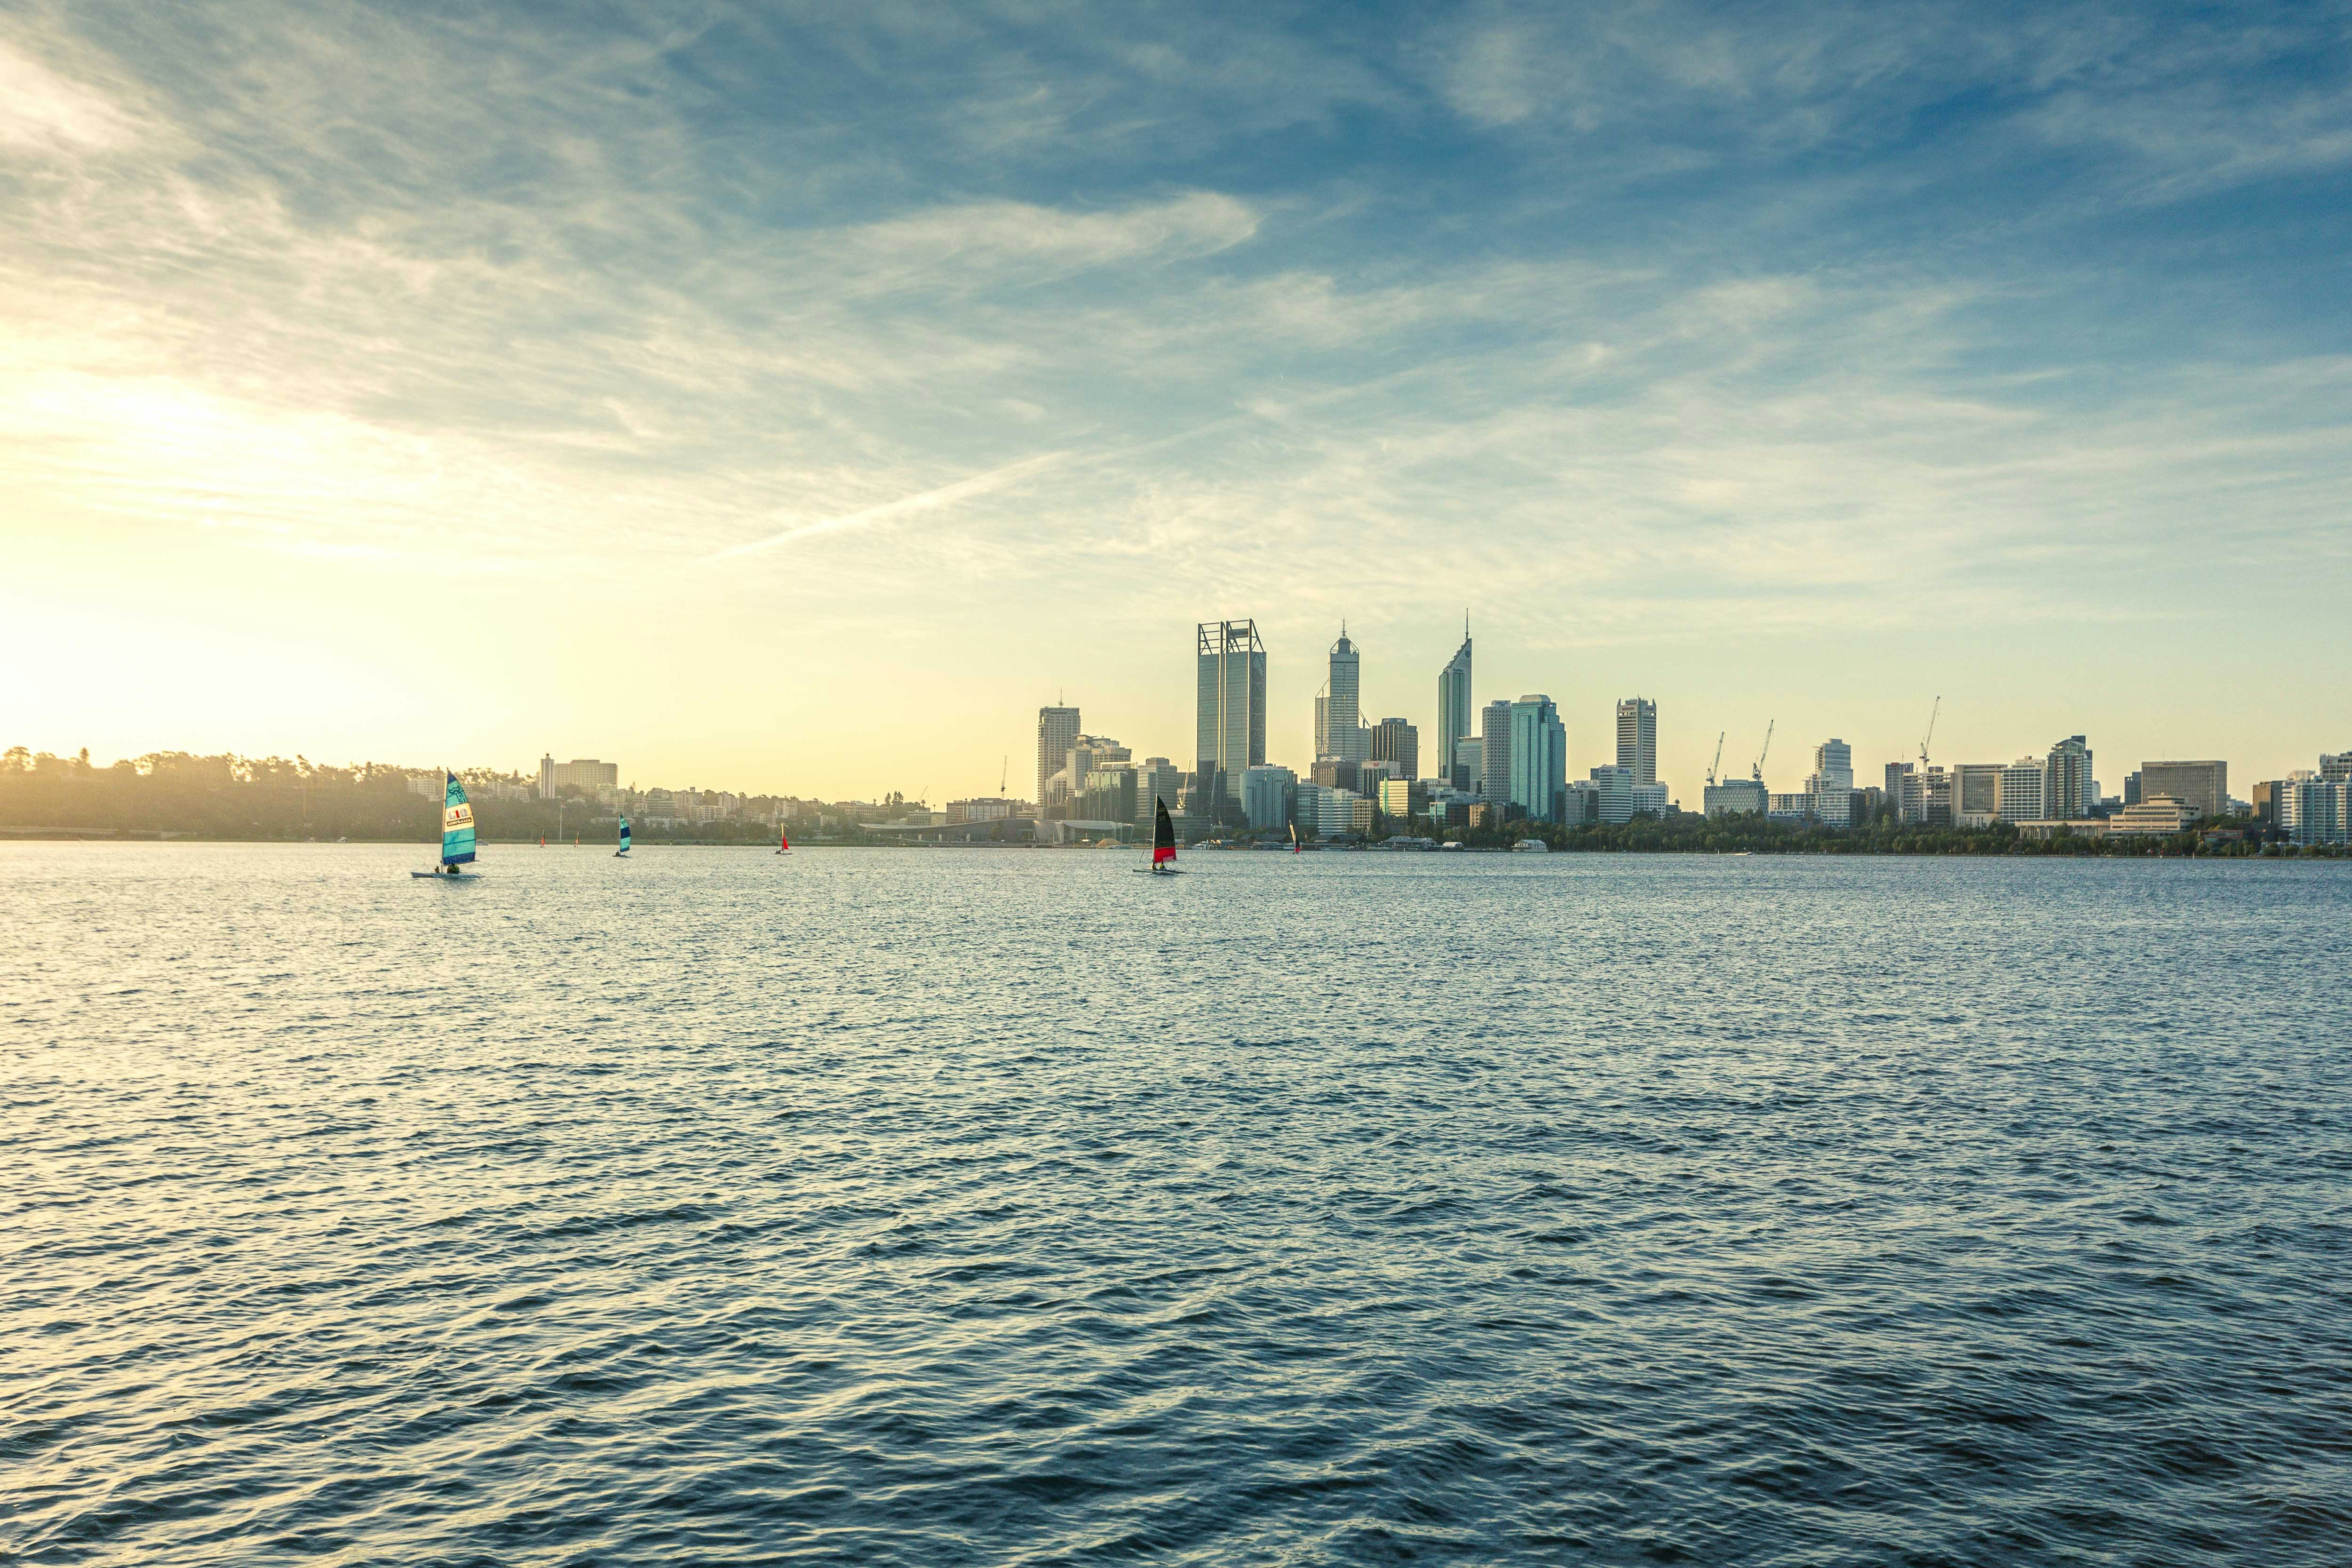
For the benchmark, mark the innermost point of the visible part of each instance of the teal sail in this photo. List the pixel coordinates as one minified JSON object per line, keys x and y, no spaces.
{"x":623,"y":849}
{"x":456,"y":824}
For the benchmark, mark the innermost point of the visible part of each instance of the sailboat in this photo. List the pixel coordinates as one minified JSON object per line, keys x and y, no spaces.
{"x":457,"y":831}
{"x":1293,"y":839}
{"x":783,"y":840}
{"x":1163,"y":843}
{"x":623,"y":849}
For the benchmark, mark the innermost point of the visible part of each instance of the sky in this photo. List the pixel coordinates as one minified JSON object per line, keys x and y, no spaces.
{"x":792,"y":398}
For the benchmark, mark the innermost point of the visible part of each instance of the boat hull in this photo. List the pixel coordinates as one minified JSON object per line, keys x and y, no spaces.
{"x":450,"y":876}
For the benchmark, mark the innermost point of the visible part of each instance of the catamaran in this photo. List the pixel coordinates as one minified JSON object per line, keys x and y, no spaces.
{"x":457,"y":831}
{"x":1163,"y":843}
{"x":623,"y":849}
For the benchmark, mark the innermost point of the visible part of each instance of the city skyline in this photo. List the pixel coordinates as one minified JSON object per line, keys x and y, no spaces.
{"x":718,"y":389}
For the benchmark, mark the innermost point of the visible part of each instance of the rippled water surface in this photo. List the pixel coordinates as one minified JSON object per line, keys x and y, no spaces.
{"x":967,"y":1206}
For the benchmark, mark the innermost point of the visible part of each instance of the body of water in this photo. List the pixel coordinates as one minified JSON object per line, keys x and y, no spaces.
{"x":992,"y":1207}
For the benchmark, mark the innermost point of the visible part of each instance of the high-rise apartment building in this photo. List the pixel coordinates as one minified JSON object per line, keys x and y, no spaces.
{"x":2025,"y":791}
{"x":1057,"y":731}
{"x":1495,"y":753}
{"x":2203,"y":785}
{"x":2074,"y":793}
{"x":1457,"y":718}
{"x":1897,"y":777}
{"x":1830,"y":784}
{"x":1394,"y":741}
{"x":1538,"y":758}
{"x":1341,"y":715}
{"x":1230,"y":731}
{"x":1637,"y":738}
{"x":583,"y":773}
{"x":2313,"y":810}
{"x":2335,"y":765}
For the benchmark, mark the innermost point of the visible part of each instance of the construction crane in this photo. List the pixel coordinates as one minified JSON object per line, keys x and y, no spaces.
{"x":1756,"y":772}
{"x":1712,"y":766}
{"x":1939,"y":708}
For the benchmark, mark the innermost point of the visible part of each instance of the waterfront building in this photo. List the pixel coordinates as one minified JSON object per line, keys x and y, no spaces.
{"x":586,"y":774}
{"x":1869,"y":805}
{"x":2203,"y":784}
{"x":1538,"y":775}
{"x":2335,"y":765}
{"x":1230,"y":721}
{"x":1267,"y":793}
{"x":1057,"y":731}
{"x":1830,"y":784}
{"x":1896,"y":776}
{"x":1458,"y":719}
{"x":981,"y":808}
{"x":1737,"y":797}
{"x":1342,"y":712}
{"x":2131,"y":789}
{"x":1637,"y":738}
{"x":1394,"y":741}
{"x":1495,"y":754}
{"x":2073,"y":791}
{"x":2314,"y":810}
{"x":1468,"y":764}
{"x":1395,"y":797}
{"x":1976,"y":793}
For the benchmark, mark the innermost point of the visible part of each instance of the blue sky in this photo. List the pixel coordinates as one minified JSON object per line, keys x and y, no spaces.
{"x":795,"y":397}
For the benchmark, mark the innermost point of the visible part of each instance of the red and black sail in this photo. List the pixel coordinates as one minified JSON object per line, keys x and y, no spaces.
{"x":1164,"y":836}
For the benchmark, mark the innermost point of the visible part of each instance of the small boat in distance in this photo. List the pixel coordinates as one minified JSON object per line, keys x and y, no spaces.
{"x":1163,"y":843}
{"x":1294,"y":839}
{"x":783,"y":842}
{"x":623,"y":849}
{"x":457,"y":831}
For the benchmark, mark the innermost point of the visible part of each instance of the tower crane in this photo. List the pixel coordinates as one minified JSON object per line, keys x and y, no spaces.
{"x":1712,"y":766}
{"x":1756,"y":772}
{"x":1939,"y":708}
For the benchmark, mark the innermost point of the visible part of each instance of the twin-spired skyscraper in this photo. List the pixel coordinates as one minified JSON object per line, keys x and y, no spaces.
{"x":1231,"y":731}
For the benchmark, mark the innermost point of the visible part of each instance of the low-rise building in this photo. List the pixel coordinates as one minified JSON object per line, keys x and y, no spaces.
{"x":2157,"y":814}
{"x":1736,"y":797}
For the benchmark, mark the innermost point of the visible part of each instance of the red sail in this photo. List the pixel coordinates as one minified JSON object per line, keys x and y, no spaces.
{"x":784,"y":839}
{"x":1163,"y":855}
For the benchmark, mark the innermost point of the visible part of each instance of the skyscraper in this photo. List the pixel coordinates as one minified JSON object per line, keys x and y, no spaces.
{"x":1394,"y":741}
{"x":1637,"y":738}
{"x":1538,"y":758}
{"x":1457,"y":719}
{"x":1831,"y":785}
{"x":1341,"y":730}
{"x":1230,"y":735}
{"x":1495,"y":755}
{"x":1057,"y":731}
{"x":2072,"y":792}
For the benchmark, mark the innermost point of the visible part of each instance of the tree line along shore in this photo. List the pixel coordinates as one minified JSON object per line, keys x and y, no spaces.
{"x":176,"y":795}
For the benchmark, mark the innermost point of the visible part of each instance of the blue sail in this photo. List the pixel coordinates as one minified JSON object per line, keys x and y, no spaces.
{"x":623,"y":849}
{"x":456,"y":824}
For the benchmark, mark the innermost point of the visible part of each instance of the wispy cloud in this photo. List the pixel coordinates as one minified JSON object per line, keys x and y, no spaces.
{"x":947,"y":495}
